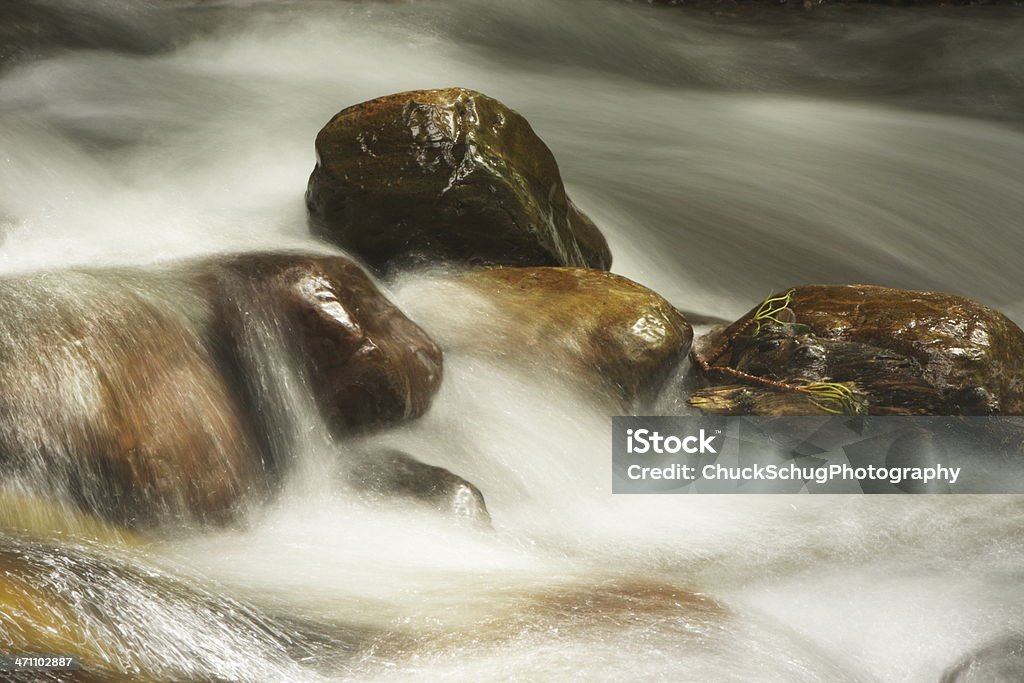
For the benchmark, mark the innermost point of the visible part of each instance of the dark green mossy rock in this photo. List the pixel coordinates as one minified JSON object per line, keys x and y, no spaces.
{"x":445,"y":175}
{"x":900,"y":352}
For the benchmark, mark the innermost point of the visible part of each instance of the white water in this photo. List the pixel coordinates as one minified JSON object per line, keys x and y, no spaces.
{"x":723,"y":160}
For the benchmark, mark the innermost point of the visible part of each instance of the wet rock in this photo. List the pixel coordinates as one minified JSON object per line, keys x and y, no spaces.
{"x":391,"y":473}
{"x":111,"y":399}
{"x":449,"y":175}
{"x":145,"y":397}
{"x":863,"y":349}
{"x":366,"y":362}
{"x":589,"y":325}
{"x":45,"y":518}
{"x":98,"y":606}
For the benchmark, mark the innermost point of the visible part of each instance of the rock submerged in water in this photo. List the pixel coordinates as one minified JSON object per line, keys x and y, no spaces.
{"x":612,"y":333}
{"x":79,"y":600}
{"x":391,"y":473}
{"x":449,"y":175}
{"x":141,"y":396}
{"x":863,"y":349}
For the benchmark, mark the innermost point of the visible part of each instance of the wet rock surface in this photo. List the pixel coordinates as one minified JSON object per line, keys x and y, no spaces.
{"x":111,"y":397}
{"x":863,"y":349}
{"x":366,"y":362}
{"x":447,"y":174}
{"x":586,"y":325}
{"x":140,"y":395}
{"x":391,"y":474}
{"x":73,"y":600}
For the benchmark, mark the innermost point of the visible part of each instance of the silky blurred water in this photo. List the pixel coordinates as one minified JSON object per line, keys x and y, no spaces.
{"x":725,"y":155}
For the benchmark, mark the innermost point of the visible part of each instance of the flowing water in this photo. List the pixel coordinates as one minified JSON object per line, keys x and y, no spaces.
{"x":724,"y":154}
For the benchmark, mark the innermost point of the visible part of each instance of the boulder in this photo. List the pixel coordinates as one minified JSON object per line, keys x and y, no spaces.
{"x":112,"y":400}
{"x":448,"y":175}
{"x":144,"y":396}
{"x":393,"y":474}
{"x":366,"y":363}
{"x":863,"y":349}
{"x":611,"y":333}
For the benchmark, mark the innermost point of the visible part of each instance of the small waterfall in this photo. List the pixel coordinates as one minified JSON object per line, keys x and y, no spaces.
{"x":297,"y":443}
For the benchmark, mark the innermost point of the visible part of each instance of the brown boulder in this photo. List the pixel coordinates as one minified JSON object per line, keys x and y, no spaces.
{"x":112,"y":400}
{"x":449,"y":175}
{"x":142,"y":396}
{"x":864,"y":349}
{"x":367,"y":363}
{"x":604,"y":329}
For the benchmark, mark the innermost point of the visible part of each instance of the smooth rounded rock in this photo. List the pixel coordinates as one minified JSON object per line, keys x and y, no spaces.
{"x":366,"y":362}
{"x":391,"y":474}
{"x":145,"y":396}
{"x":895,"y":352}
{"x":445,"y":175}
{"x":112,"y":400}
{"x":585,"y":325}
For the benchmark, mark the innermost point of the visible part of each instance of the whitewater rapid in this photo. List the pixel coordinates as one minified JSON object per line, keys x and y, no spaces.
{"x":724,"y":160}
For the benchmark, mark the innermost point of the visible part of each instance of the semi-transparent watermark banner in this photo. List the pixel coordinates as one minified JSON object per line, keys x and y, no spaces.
{"x":838,"y":454}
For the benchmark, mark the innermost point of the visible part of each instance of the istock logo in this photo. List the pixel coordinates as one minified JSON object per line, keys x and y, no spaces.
{"x":647,"y":441}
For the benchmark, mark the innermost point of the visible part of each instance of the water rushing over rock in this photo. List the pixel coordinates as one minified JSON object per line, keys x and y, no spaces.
{"x":724,"y":155}
{"x":619,"y":340}
{"x":157,"y":396}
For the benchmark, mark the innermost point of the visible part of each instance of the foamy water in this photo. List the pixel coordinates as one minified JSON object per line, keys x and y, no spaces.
{"x":724,"y":160}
